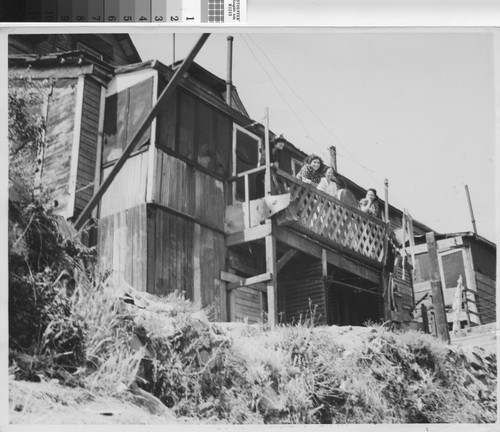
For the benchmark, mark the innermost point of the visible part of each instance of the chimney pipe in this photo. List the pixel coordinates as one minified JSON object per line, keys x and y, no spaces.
{"x":229,"y":80}
{"x":333,"y":157}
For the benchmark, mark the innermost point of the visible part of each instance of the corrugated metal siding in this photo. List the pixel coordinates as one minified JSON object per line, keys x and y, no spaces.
{"x":303,"y":291}
{"x":128,"y":189}
{"x":122,"y":245}
{"x":59,"y":141}
{"x":88,"y":143}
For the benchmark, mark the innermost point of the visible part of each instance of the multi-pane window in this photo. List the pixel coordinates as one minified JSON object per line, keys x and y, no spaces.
{"x":197,"y":132}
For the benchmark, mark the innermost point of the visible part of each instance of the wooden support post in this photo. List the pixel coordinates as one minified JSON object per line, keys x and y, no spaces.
{"x":272,"y":285}
{"x":437,"y":290}
{"x":267,"y":178}
{"x":223,"y":300}
{"x":326,"y":283}
{"x":425,"y":318}
{"x":247,"y":202}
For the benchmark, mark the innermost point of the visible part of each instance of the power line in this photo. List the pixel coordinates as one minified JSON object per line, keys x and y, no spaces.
{"x":279,"y":92}
{"x":348,"y":153}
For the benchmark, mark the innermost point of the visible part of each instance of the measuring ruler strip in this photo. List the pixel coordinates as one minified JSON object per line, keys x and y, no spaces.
{"x":137,"y":11}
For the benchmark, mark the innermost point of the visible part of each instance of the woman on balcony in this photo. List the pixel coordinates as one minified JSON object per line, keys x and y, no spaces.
{"x":330,"y":183}
{"x":312,"y":171}
{"x":369,"y":204}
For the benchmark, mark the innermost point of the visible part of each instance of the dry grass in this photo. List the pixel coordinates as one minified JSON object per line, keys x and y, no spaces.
{"x":238,"y":373}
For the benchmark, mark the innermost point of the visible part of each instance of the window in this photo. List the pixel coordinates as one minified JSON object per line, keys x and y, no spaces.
{"x":197,"y":132}
{"x":123,"y":113}
{"x":453,"y":267}
{"x":246,"y":157}
{"x":296,"y":166}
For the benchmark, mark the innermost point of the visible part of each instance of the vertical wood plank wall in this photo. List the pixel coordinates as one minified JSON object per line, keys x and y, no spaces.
{"x":128,"y":189}
{"x":88,"y":144}
{"x":403,"y":290}
{"x":183,"y":188}
{"x":183,"y":255}
{"x":122,"y":245}
{"x":57,"y":159}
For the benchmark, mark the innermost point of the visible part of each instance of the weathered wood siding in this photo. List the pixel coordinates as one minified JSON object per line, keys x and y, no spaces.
{"x":303,"y":291}
{"x":109,"y":45}
{"x":245,"y":305}
{"x":122,"y":245}
{"x":184,"y":256}
{"x":88,"y":144}
{"x":183,"y":188}
{"x":128,"y":189}
{"x":56,"y":163}
{"x":484,"y":257}
{"x":170,"y":253}
{"x":403,"y":291}
{"x":209,"y":249}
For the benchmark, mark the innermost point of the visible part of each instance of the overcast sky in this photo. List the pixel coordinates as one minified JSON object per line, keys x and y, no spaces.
{"x":416,"y":107}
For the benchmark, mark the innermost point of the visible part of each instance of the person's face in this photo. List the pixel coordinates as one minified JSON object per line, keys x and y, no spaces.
{"x":370,"y":195}
{"x":329,"y":174}
{"x":315,"y":164}
{"x":280,"y":145}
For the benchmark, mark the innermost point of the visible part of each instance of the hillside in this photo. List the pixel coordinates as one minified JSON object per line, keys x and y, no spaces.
{"x":166,"y":363}
{"x":85,"y":347}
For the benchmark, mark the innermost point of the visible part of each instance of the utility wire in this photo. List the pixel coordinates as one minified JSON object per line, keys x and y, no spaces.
{"x":278,"y":91}
{"x":349,"y":153}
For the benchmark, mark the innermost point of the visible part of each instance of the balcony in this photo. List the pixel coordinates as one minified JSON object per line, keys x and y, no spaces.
{"x":323,"y":217}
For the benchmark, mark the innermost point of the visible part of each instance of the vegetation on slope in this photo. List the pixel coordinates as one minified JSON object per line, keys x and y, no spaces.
{"x":110,"y":340}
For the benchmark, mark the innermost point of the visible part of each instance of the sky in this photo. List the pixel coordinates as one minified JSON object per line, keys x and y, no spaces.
{"x":416,"y":107}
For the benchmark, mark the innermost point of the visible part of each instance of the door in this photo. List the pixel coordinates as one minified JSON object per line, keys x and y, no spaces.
{"x":246,"y":151}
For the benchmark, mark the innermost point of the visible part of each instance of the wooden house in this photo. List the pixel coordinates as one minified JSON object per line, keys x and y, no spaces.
{"x":467,"y":266}
{"x":183,"y":213}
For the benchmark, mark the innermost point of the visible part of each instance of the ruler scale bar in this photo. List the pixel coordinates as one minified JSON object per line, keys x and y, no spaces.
{"x":143,"y":11}
{"x":135,"y":11}
{"x":96,"y":10}
{"x":159,"y":11}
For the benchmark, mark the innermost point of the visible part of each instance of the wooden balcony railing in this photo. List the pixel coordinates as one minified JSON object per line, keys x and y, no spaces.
{"x":328,"y":219}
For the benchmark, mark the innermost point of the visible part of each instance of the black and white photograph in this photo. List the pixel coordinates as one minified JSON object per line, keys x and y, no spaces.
{"x":252,"y":227}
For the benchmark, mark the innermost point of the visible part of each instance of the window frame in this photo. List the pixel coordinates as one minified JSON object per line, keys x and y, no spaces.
{"x":294,"y":162}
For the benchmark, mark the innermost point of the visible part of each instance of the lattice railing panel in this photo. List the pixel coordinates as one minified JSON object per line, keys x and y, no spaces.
{"x":329,"y":218}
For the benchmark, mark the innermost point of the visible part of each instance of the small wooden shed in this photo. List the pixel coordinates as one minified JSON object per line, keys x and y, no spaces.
{"x":463,"y":256}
